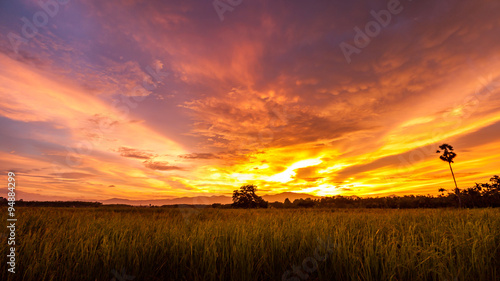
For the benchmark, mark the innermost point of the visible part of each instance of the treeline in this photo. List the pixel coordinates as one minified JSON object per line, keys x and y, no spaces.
{"x":391,"y":202}
{"x":479,"y":196}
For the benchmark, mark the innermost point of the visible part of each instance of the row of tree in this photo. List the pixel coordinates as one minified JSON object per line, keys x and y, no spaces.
{"x":479,"y":196}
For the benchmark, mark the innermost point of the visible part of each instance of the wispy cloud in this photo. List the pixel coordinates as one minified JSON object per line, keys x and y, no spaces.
{"x":135,"y":153}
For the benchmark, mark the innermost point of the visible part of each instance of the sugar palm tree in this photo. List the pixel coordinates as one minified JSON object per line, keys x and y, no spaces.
{"x":448,"y":156}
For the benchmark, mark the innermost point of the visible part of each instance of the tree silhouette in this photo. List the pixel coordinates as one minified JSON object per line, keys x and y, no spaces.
{"x":496,"y":182}
{"x":246,"y":198}
{"x":448,"y":156}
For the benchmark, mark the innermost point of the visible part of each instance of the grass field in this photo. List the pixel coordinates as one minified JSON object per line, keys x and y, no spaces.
{"x":218,"y":244}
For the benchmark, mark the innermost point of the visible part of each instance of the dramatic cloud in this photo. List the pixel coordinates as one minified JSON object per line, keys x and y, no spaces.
{"x":138,"y":99}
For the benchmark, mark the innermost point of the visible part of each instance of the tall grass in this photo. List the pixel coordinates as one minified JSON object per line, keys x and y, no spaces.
{"x":220,"y":244}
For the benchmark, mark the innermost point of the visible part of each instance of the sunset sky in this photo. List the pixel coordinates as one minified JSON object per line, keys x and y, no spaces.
{"x":162,"y":99}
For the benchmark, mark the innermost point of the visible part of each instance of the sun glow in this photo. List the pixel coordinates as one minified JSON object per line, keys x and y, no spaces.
{"x":289,"y":173}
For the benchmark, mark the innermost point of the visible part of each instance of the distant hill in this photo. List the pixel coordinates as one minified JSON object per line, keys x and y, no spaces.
{"x":290,"y":195}
{"x":198,"y":200}
{"x":207,"y":200}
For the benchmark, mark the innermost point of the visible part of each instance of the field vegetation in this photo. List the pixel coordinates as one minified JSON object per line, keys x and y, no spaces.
{"x":254,"y":244}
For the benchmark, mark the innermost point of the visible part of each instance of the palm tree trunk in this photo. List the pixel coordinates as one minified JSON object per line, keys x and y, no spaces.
{"x":456,"y":187}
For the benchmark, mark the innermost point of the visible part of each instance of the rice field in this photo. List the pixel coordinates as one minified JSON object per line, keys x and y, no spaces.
{"x":265,"y":244}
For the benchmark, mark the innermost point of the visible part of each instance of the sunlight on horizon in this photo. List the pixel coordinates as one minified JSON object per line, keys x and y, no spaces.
{"x":185,"y":104}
